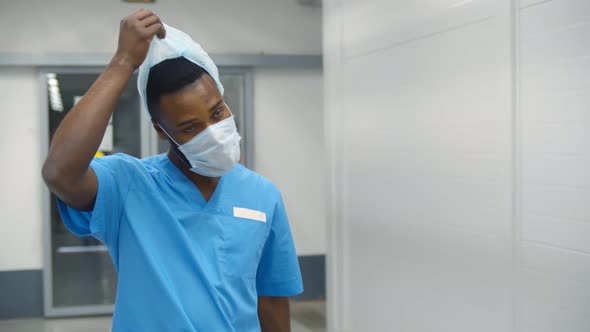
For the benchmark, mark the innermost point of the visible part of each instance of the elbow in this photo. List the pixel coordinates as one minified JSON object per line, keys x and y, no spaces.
{"x":49,"y":174}
{"x":52,"y":176}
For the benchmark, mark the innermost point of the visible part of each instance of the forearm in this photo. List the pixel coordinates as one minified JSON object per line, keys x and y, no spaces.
{"x":79,"y":135}
{"x":273,"y":314}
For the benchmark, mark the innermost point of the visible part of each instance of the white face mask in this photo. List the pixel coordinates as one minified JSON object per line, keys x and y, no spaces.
{"x":215,"y":150}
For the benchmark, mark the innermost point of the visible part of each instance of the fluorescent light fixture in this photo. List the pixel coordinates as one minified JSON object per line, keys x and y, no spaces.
{"x":54,"y":94}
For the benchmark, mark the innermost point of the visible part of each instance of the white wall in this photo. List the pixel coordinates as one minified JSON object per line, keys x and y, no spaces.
{"x":419,"y":105}
{"x":221,"y":26}
{"x":289,"y":146}
{"x":555,"y":132}
{"x":65,"y":27}
{"x":458,"y":136}
{"x":20,"y":193}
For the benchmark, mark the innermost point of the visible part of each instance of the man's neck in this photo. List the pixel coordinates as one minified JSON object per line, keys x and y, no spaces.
{"x":205,"y":184}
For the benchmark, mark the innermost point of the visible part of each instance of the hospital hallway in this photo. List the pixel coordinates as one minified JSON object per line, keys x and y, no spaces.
{"x":305,"y":317}
{"x":384,"y":165}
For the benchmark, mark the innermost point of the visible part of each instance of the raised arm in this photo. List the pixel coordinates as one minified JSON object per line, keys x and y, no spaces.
{"x":66,"y":170}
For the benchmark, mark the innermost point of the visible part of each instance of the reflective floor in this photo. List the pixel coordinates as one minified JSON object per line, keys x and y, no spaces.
{"x":305,"y":317}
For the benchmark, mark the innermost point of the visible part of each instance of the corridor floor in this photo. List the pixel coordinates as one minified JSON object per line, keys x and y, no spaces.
{"x":305,"y":317}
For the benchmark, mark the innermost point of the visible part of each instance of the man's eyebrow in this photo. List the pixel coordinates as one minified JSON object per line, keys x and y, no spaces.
{"x":183,"y":123}
{"x":215,"y":106}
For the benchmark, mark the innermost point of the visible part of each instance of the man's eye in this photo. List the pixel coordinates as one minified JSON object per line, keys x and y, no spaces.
{"x":218,"y":113}
{"x":190,"y":129}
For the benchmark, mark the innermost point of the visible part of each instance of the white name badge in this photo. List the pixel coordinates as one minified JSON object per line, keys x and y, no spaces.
{"x":249,"y":214}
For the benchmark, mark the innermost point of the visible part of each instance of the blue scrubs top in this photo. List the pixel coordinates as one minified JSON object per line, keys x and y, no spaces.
{"x":183,"y":263}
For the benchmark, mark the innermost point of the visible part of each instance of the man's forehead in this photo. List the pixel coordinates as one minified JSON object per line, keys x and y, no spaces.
{"x":195,"y":99}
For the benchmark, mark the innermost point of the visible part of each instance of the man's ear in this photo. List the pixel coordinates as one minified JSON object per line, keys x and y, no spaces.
{"x":159,"y":130}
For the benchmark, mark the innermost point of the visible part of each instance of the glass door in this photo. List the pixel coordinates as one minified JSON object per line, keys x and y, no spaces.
{"x":81,"y":278}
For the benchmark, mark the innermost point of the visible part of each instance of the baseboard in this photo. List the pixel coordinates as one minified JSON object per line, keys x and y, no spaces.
{"x":313,"y":271}
{"x":22,"y":291}
{"x":22,"y":294}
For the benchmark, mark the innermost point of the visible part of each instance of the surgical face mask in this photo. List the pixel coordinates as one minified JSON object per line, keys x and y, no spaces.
{"x":214,"y":151}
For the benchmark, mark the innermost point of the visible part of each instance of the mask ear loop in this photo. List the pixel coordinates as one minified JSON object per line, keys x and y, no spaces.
{"x":229,"y":109}
{"x":179,"y":154}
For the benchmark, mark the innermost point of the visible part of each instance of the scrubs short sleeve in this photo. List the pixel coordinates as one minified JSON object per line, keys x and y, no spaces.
{"x":278,"y":272}
{"x":113,"y":175}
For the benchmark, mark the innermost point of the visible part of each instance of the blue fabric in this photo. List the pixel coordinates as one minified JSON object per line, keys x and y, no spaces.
{"x":185,"y":264}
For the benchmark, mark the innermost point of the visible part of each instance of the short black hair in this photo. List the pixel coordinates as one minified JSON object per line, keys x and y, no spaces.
{"x":170,"y":76}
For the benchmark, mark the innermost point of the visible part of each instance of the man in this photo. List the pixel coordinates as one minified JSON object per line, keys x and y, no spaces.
{"x":200,"y":242}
